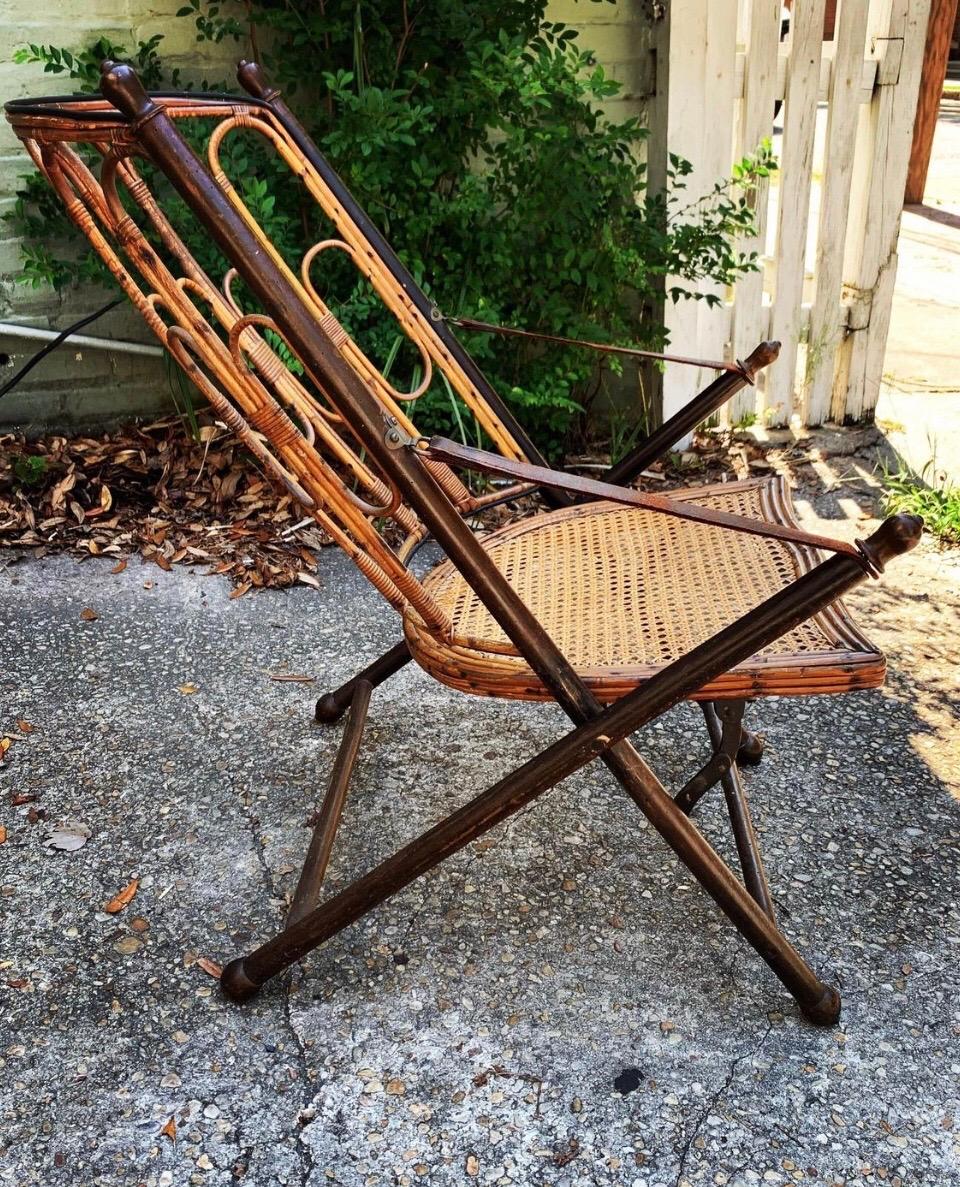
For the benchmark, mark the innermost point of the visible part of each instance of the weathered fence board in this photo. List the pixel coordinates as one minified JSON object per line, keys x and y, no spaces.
{"x":826,"y":286}
{"x":701,"y":80}
{"x":826,"y":329}
{"x":796,"y":168}
{"x":871,"y":266}
{"x":750,"y":316}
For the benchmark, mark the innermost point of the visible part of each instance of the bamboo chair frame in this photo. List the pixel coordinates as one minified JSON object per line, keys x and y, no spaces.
{"x":337,"y":439}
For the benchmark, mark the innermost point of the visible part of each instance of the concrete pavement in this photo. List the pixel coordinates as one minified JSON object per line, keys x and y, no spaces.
{"x":559,"y":1004}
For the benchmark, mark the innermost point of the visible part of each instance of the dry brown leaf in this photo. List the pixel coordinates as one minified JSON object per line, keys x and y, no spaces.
{"x":241,"y":590}
{"x":188,"y":689}
{"x":58,"y":495}
{"x":308,"y":579}
{"x":292,"y":678}
{"x":170,"y":1130}
{"x":68,"y":837}
{"x":5,"y":744}
{"x":119,"y":901}
{"x":24,"y":726}
{"x":119,"y":566}
{"x":210,"y":966}
{"x":89,"y":615}
{"x":3,"y":834}
{"x":218,"y":507}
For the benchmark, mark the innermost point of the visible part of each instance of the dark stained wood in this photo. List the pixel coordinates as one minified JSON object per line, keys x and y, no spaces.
{"x":943,"y":15}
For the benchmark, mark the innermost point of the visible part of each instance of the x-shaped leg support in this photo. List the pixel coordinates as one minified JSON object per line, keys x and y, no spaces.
{"x":243,"y":977}
{"x":604,"y":734}
{"x":724,"y":721}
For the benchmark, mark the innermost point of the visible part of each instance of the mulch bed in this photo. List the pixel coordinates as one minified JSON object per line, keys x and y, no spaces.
{"x":157,"y":491}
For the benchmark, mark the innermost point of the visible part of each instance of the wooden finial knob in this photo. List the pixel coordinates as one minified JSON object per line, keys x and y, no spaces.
{"x":254,"y":81}
{"x":762,"y":356}
{"x":893,"y":537}
{"x":121,"y":85}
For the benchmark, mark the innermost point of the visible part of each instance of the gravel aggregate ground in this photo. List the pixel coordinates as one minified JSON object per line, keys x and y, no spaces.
{"x":559,"y":1004}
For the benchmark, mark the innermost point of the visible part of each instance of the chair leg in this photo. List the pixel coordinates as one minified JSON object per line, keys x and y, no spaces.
{"x":748,"y":850}
{"x":242,"y":978}
{"x":327,"y":819}
{"x":751,"y":749}
{"x":332,"y":705}
{"x":819,"y":1002}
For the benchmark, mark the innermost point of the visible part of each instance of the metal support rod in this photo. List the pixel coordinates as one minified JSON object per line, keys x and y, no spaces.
{"x":332,"y":705}
{"x":80,"y":341}
{"x":744,"y":834}
{"x":327,"y":820}
{"x":720,"y":761}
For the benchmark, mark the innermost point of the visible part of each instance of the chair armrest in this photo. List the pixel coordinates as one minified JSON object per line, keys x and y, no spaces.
{"x":467,"y":457}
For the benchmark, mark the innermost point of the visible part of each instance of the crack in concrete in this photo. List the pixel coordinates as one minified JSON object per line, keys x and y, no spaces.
{"x":306,"y":1159}
{"x":308,"y":1097}
{"x":712,"y":1103}
{"x":473,"y":857}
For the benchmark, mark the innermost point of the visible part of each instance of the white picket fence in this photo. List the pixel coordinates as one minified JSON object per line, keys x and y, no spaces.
{"x":829,"y":219}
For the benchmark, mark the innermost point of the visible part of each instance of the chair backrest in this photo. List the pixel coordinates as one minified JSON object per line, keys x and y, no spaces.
{"x":88,"y":151}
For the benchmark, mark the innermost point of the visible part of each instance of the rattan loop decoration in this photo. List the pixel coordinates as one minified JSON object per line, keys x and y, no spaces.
{"x":185,"y":351}
{"x":405,"y":310}
{"x":341,"y":245}
{"x":240,"y":341}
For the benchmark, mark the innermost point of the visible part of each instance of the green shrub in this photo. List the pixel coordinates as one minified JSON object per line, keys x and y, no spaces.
{"x":470,"y":130}
{"x":938,"y":503}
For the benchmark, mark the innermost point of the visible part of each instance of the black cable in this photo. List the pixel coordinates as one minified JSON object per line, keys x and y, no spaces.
{"x":55,"y":342}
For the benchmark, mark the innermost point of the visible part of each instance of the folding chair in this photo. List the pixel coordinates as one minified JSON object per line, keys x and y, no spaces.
{"x":615,"y":604}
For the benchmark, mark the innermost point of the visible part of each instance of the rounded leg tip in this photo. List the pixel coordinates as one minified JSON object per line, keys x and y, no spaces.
{"x":235,"y":983}
{"x":825,"y":1011}
{"x":751,"y":749}
{"x":329,"y":709}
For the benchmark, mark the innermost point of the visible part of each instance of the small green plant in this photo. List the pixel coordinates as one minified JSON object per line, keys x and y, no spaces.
{"x":627,"y":429}
{"x":84,"y":66}
{"x":938,"y":504}
{"x":184,"y":397}
{"x":472,"y":131}
{"x":746,"y":420}
{"x":29,"y":470}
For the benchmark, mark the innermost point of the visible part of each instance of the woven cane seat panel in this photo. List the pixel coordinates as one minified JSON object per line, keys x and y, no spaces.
{"x":624,"y":591}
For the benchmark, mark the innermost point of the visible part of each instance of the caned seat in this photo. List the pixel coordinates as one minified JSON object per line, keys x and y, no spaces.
{"x":624,"y":591}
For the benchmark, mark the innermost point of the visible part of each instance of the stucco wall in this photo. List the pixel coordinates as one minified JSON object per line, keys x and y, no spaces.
{"x":77,"y":387}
